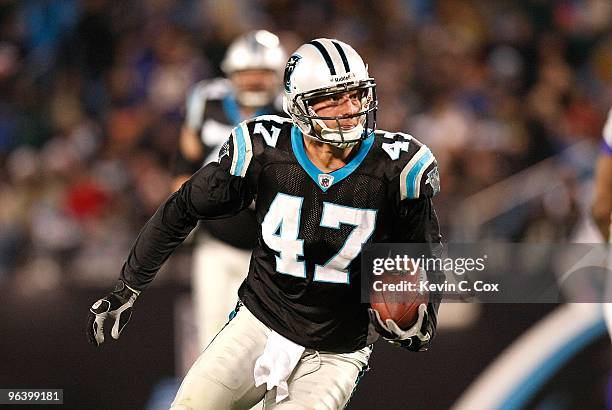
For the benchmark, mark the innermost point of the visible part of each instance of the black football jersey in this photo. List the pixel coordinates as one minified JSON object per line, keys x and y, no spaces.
{"x":304,"y":276}
{"x":211,"y":113}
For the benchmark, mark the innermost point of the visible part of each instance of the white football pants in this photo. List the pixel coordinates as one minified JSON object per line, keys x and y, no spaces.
{"x":222,"y":377}
{"x":218,"y":271}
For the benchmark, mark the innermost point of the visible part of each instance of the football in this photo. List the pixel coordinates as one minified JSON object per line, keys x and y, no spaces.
{"x":393,"y":299}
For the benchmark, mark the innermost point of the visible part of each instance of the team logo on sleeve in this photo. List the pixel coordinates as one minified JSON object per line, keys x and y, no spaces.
{"x":293,"y":60}
{"x":433,"y":179}
{"x":325,"y":180}
{"x":224,"y":151}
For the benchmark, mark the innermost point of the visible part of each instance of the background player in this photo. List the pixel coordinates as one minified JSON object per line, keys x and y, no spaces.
{"x":253,"y":65}
{"x":325,"y":185}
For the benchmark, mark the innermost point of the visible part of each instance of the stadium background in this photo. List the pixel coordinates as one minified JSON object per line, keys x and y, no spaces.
{"x":91,"y":100}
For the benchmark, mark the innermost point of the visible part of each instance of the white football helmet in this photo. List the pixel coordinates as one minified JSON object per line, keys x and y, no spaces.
{"x":256,"y":50}
{"x":321,"y":68}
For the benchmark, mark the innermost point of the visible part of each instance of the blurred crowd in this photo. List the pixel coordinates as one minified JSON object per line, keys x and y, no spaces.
{"x":92,"y":99}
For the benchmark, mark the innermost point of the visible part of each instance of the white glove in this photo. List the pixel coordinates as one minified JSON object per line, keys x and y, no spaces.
{"x":416,"y":338}
{"x":118,"y":306}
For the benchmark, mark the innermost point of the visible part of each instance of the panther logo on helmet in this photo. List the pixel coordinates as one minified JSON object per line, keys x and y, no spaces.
{"x":293,"y":60}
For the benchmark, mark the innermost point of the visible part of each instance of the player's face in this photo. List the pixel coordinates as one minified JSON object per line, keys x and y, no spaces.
{"x":338,"y":105}
{"x":255,"y":80}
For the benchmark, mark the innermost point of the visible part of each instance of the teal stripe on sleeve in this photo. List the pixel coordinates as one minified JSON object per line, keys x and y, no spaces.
{"x":411,"y":178}
{"x":240,"y":150}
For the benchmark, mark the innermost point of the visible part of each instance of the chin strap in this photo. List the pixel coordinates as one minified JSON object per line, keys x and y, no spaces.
{"x":338,"y":138}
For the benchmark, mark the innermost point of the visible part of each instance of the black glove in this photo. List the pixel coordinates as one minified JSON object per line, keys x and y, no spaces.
{"x":415,"y":339}
{"x":117,"y":305}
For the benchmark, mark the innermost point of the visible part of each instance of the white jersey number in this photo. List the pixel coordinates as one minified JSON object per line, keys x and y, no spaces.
{"x":394,"y":148}
{"x":281,"y":226}
{"x":280,"y":229}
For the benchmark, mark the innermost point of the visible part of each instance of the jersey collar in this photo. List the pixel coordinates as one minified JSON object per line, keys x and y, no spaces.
{"x":325,"y":180}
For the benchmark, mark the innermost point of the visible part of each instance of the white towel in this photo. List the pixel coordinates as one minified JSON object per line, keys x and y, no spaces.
{"x":276,"y":364}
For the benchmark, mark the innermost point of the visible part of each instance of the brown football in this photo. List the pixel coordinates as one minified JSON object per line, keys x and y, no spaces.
{"x":400,"y":305}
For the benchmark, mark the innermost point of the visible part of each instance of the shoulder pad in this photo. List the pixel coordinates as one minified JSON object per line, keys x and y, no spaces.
{"x":412,"y":162}
{"x":268,"y":127}
{"x":251,"y":138}
{"x":198,"y":96}
{"x":214,"y":89}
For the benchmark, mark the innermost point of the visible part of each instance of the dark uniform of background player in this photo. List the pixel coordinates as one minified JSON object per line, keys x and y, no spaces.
{"x":253,"y":65}
{"x":304,"y":277}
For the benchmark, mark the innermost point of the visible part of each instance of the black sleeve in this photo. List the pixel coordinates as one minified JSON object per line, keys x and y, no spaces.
{"x":418,"y":223}
{"x":211,"y":193}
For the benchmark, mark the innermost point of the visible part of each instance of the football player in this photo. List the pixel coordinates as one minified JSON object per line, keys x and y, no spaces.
{"x":325,"y":182}
{"x":253,"y":65}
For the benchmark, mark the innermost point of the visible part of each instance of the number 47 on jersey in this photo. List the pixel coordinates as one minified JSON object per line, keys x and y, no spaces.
{"x":281,"y":227}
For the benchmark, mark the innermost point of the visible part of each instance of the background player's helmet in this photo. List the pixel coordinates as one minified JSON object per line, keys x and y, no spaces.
{"x":256,"y":50}
{"x":321,"y":68}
